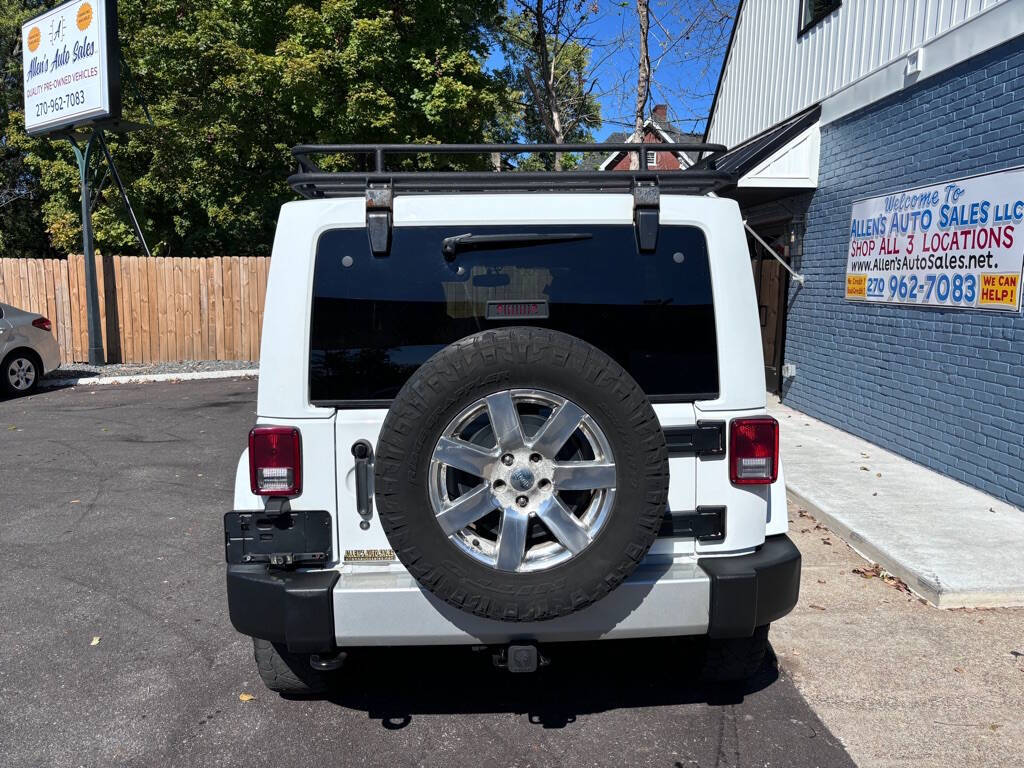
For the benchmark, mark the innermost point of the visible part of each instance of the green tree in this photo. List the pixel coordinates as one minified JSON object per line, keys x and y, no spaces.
{"x":231,"y":85}
{"x":22,"y":232}
{"x":548,"y":49}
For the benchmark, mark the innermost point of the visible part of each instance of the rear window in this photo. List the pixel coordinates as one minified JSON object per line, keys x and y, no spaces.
{"x":375,"y":320}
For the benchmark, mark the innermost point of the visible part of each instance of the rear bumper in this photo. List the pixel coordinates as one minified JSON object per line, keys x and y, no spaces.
{"x":313,"y":611}
{"x":289,"y":607}
{"x":49,"y":351}
{"x":44,"y":343}
{"x":752,"y":590}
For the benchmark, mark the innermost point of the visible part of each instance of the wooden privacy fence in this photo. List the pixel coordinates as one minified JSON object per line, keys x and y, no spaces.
{"x":151,"y":309}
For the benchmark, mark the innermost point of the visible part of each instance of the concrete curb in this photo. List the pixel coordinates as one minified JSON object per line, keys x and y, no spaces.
{"x":919,"y":585}
{"x":918,"y":582}
{"x":144,"y":378}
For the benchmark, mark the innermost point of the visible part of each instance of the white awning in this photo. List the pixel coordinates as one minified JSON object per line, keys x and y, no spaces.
{"x":793,"y":165}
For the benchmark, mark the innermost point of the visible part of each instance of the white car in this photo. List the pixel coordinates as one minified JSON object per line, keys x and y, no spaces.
{"x":507,"y":410}
{"x":28,"y":349}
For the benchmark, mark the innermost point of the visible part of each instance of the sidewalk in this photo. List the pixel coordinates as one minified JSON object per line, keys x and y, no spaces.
{"x":951,"y":544}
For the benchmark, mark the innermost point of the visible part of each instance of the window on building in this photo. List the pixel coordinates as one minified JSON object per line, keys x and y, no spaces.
{"x":652,"y":158}
{"x":813,"y":11}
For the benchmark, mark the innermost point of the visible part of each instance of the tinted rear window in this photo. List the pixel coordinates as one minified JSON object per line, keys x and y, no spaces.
{"x":376,"y":319}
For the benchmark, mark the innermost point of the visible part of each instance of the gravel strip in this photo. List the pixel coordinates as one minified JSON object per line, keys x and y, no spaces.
{"x":84,"y":370}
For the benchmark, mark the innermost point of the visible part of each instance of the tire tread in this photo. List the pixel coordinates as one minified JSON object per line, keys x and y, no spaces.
{"x":285,"y":672}
{"x":451,"y":377}
{"x":735,"y":659}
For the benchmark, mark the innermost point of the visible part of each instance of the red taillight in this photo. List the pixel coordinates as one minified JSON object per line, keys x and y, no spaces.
{"x":754,"y":451}
{"x":275,"y":461}
{"x":42,"y":323}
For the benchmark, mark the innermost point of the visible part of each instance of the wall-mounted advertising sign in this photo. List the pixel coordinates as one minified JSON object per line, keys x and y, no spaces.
{"x":954,"y":245}
{"x":71,"y":66}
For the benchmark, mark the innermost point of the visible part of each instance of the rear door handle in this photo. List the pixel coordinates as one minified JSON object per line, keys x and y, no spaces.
{"x":362,"y":451}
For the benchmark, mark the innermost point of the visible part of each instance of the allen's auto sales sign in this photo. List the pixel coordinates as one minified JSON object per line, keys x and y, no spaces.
{"x":954,"y":245}
{"x":71,"y":67}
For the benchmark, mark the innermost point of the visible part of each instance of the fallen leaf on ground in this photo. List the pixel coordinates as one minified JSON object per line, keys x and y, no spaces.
{"x":958,"y":669}
{"x":821,"y":581}
{"x":865,"y":469}
{"x":994,"y":727}
{"x":875,"y":570}
{"x":95,"y":640}
{"x":245,"y":697}
{"x":878,"y":474}
{"x":816,"y":607}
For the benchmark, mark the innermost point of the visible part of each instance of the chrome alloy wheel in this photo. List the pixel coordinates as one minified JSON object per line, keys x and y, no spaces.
{"x":522,"y":480}
{"x":21,"y":373}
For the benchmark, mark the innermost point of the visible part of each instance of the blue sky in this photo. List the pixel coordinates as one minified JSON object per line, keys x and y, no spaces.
{"x":684,"y":78}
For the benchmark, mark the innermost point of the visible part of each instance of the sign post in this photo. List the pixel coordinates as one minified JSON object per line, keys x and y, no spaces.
{"x":71,"y":66}
{"x":92,"y":296}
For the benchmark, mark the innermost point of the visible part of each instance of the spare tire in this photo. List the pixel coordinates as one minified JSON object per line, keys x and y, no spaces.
{"x":521,"y":474}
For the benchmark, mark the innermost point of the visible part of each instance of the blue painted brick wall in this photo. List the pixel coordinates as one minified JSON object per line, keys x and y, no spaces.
{"x":944,"y":389}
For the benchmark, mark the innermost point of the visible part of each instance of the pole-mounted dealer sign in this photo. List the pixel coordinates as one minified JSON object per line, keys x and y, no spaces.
{"x":71,"y":62}
{"x":71,"y":66}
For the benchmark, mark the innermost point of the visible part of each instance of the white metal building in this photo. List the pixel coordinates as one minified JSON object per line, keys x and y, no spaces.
{"x":787,"y":55}
{"x":835,"y":107}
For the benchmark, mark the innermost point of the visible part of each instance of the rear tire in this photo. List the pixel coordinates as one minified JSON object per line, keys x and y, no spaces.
{"x":729,"y":660}
{"x":289,"y":673}
{"x":21,"y":371}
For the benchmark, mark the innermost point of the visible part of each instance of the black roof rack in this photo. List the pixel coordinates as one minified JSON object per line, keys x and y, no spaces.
{"x":311,"y":181}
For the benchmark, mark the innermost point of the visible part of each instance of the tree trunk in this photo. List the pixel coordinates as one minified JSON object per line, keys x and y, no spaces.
{"x":554,"y":110}
{"x":643,"y":79}
{"x":557,"y":134}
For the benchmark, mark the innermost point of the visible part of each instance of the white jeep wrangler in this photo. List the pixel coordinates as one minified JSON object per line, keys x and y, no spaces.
{"x":505,"y":410}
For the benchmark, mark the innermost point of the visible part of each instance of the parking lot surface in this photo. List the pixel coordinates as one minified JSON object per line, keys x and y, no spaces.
{"x":117,"y":648}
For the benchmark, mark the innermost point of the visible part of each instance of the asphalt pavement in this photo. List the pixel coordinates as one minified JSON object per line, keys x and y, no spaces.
{"x":117,"y":649}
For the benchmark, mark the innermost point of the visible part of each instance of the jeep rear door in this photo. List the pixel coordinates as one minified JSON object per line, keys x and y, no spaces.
{"x":375,"y":319}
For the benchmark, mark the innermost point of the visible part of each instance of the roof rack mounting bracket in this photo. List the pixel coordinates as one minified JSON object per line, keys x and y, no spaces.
{"x":646,"y":205}
{"x":378,"y":218}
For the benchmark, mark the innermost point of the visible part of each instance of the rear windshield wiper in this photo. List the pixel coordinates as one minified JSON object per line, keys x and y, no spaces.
{"x":450,"y":246}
